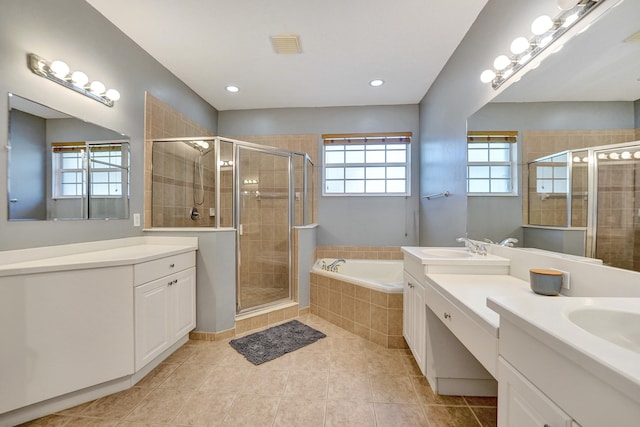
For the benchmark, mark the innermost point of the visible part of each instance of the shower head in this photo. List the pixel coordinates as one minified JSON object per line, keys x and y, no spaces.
{"x":202,"y":146}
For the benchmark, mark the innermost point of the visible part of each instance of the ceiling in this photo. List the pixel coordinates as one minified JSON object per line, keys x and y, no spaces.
{"x":345,"y":44}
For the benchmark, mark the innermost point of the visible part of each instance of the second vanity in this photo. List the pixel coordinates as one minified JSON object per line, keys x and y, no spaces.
{"x":81,"y":321}
{"x":486,"y":333}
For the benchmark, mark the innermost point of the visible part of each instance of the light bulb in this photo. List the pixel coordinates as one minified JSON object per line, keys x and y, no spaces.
{"x":602,"y":156}
{"x":541,"y":25}
{"x":626,"y":155}
{"x":487,"y":76}
{"x":79,"y":78}
{"x":376,"y":82}
{"x":501,"y":62}
{"x":233,"y":89}
{"x":566,"y":4}
{"x":570,"y":20}
{"x":636,"y":155}
{"x":97,"y":87}
{"x":60,"y":69}
{"x":576,"y":159}
{"x":519,"y":45}
{"x":585,"y":159}
{"x":614,"y":156}
{"x":112,"y":94}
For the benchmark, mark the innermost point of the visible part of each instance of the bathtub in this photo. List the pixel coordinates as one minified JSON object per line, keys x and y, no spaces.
{"x":380,"y":275}
{"x":364,"y":297}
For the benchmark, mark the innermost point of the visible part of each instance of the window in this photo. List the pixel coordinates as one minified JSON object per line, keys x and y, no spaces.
{"x":491,"y":163}
{"x":366,"y":164}
{"x":552,"y":175}
{"x":70,"y":169}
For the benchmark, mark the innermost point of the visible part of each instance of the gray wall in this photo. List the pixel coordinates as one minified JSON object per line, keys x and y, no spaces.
{"x":367,"y":221}
{"x":28,"y":164}
{"x":74,"y":32}
{"x":498,"y":217}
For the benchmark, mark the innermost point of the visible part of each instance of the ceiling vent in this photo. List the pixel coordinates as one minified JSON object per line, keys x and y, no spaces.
{"x":286,"y":44}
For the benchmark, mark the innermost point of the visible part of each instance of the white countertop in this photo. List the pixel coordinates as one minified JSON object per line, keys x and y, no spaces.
{"x":546,"y":320}
{"x":422,"y":254}
{"x":112,"y":254}
{"x":470,"y":292}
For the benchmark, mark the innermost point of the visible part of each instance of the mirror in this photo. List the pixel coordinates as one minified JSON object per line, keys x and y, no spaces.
{"x":61,"y":167}
{"x":586,"y":94}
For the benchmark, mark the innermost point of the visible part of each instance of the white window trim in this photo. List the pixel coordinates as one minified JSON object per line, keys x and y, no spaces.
{"x":364,"y":137}
{"x":513,"y":163}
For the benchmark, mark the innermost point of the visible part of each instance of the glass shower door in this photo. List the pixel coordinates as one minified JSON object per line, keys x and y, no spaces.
{"x":264,"y":224}
{"x":617,"y":224}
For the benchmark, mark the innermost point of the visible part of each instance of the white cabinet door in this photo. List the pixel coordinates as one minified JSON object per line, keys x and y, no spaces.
{"x":408,"y":322}
{"x":522,"y":404}
{"x":183,"y":301}
{"x":152,"y":319}
{"x":165,"y":312}
{"x":414,"y":319}
{"x":420,"y":325}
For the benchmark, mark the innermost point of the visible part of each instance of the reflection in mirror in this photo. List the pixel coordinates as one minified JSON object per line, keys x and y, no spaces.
{"x":583,"y":96}
{"x":61,"y":167}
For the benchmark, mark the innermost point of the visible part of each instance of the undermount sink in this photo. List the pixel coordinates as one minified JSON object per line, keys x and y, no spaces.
{"x":446,"y":253}
{"x":618,"y":327}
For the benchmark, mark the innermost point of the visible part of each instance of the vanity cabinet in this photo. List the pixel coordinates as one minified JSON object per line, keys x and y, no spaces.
{"x":63,"y":331}
{"x":165,"y":295}
{"x":523,"y":405}
{"x":414,"y":323}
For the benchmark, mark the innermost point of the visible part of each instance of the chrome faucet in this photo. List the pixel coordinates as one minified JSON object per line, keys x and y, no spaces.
{"x":473,"y":247}
{"x":509,"y":241}
{"x":333,"y":267}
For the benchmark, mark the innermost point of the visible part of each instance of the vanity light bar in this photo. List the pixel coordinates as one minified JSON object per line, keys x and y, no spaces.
{"x":59,"y":72}
{"x":537,"y":43}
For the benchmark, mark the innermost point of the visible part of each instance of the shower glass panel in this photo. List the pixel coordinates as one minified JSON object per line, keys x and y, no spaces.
{"x":579,"y":188}
{"x":548,"y":190}
{"x":264,"y":223}
{"x":183,"y":183}
{"x":617,"y":231}
{"x":225,"y":204}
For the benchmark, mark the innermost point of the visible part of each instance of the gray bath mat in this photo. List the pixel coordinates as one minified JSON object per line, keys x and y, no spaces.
{"x":272,"y":343}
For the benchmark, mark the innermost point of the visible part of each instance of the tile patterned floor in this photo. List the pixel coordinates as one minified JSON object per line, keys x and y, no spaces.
{"x":341,"y":380}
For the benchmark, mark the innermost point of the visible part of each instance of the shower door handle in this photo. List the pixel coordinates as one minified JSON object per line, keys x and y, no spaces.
{"x":240,"y":229}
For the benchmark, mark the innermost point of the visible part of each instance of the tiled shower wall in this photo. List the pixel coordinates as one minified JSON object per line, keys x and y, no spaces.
{"x":168,"y":204}
{"x":618,"y":194}
{"x":540,"y":143}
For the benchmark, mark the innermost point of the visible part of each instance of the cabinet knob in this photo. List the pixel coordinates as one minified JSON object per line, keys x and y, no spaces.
{"x":447,"y":316}
{"x":172,"y":265}
{"x":173,"y":282}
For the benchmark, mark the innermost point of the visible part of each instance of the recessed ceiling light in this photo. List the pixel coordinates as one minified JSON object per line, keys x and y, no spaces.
{"x":233,"y":89}
{"x":376,"y":82}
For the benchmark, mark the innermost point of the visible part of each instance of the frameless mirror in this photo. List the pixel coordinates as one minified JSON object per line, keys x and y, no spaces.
{"x":61,"y":167}
{"x":586,"y":94}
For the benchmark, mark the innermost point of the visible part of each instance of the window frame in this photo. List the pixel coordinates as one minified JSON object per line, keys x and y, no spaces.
{"x":82,"y":148}
{"x":368,"y":140}
{"x":489,"y":137}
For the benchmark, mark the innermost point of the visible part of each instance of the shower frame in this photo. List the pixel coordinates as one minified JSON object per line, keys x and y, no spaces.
{"x":592,"y":186}
{"x":237,"y":145}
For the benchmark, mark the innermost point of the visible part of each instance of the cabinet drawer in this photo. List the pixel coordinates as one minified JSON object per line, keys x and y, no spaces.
{"x":152,"y":270}
{"x":473,"y":336}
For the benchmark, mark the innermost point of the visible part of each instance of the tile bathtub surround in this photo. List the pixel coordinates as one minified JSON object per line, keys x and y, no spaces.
{"x":359,"y":252}
{"x":370,"y":314}
{"x":341,"y":380}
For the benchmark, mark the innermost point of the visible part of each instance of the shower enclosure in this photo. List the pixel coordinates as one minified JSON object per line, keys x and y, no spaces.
{"x":596,"y":188}
{"x":260,"y":191}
